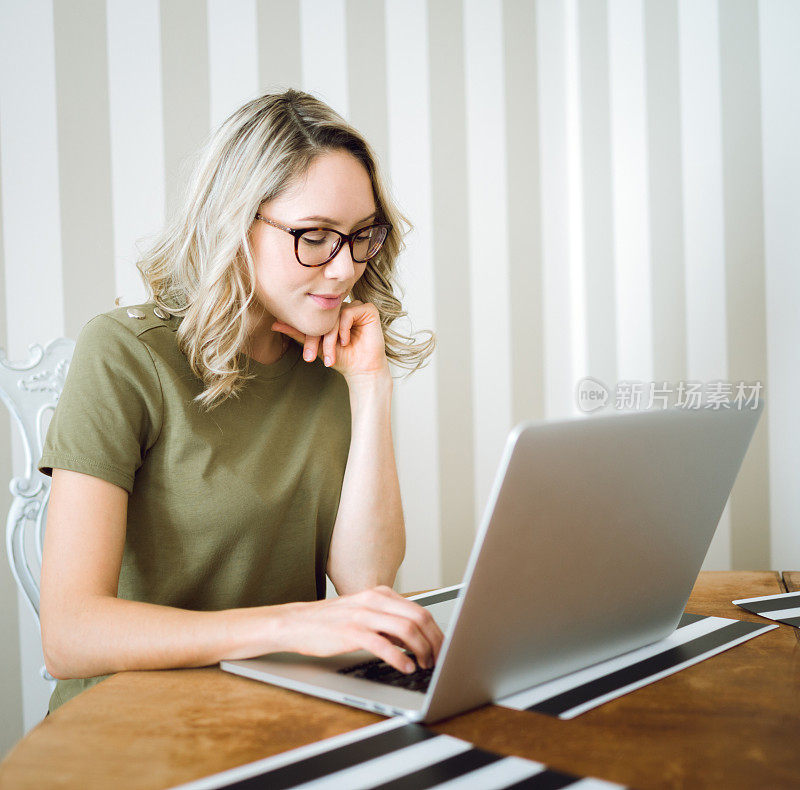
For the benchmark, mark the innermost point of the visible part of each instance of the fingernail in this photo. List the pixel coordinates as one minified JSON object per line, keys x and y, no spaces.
{"x":410,"y":666}
{"x":327,"y":361}
{"x":308,"y":355}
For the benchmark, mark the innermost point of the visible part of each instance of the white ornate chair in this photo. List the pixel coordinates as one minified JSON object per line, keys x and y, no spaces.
{"x":30,"y":390}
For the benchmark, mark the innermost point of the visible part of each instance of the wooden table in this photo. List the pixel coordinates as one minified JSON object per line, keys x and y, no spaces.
{"x":730,"y":721}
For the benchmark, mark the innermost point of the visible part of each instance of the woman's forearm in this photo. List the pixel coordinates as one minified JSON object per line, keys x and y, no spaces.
{"x":368,"y":542}
{"x":103,"y":635}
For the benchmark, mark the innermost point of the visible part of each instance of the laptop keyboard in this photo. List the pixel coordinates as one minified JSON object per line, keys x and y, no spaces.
{"x":377,"y":669}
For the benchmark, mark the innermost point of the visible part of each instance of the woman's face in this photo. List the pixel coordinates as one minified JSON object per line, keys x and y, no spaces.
{"x":338,"y":188}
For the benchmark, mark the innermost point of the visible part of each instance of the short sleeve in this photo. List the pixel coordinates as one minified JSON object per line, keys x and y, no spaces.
{"x":110,"y":410}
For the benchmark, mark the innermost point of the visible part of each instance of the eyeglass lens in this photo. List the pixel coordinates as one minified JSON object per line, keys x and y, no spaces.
{"x":315,"y":246}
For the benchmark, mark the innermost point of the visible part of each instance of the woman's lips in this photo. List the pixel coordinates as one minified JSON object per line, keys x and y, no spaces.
{"x":327,"y":304}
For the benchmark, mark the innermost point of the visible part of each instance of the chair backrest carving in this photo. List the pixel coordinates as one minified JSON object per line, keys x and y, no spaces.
{"x":30,"y":389}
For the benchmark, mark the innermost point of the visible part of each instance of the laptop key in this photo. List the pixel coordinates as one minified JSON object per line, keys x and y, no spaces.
{"x":381,"y":672}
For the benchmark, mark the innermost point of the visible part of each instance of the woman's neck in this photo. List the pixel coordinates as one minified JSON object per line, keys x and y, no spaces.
{"x":267,"y":349}
{"x":263,"y":344}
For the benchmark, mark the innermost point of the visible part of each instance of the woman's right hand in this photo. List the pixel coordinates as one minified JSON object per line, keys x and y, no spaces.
{"x":377,"y":619}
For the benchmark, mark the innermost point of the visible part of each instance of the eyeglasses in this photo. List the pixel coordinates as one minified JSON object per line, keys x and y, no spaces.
{"x":317,"y":246}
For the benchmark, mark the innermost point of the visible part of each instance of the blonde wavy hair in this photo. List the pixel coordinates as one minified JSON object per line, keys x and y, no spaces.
{"x":201,"y":266}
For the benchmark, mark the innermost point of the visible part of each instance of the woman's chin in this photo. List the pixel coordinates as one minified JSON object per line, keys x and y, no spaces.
{"x":316,"y":327}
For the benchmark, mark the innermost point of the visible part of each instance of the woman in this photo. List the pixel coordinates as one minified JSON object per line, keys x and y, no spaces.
{"x":205,"y":476}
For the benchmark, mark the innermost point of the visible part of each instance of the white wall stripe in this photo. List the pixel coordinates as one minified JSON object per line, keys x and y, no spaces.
{"x":232,"y":56}
{"x":324,"y":58}
{"x":630,"y":190}
{"x":414,"y":398}
{"x":278,"y":45}
{"x":84,"y":160}
{"x":453,"y":356}
{"x":31,"y":221}
{"x":597,"y":221}
{"x":10,"y":666}
{"x":701,"y":140}
{"x":524,"y":212}
{"x":137,"y":135}
{"x":185,"y":89}
{"x":746,"y":329}
{"x":578,"y":349}
{"x":666,"y":198}
{"x":488,"y":253}
{"x":451,"y":274}
{"x":365,"y":28}
{"x":555,"y":202}
{"x":702,"y":185}
{"x":31,"y":236}
{"x":780,"y":101}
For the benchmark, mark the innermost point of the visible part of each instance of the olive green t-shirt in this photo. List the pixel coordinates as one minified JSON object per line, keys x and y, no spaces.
{"x":226,"y":509}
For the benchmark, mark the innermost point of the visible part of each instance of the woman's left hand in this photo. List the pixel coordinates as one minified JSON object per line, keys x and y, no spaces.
{"x":355,"y":346}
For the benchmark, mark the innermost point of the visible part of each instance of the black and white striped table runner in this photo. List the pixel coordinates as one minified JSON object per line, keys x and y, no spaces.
{"x":783,"y":608}
{"x":394,"y":755}
{"x":696,"y":638}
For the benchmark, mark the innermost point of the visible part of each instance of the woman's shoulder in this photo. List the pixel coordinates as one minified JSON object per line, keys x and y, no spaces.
{"x":124,"y":338}
{"x":136,"y":319}
{"x":125,"y":328}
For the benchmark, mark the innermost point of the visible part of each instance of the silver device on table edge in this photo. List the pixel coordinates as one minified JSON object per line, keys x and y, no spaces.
{"x":593,"y":536}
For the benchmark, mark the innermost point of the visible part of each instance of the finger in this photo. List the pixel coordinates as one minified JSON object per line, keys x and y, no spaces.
{"x":385,"y":599}
{"x":434,"y":655}
{"x":289,"y":331}
{"x":406,"y":631}
{"x":422,"y":616}
{"x":345,"y":322}
{"x":329,"y":346}
{"x":428,"y":627}
{"x":310,"y":348}
{"x":360,"y":314}
{"x":383,"y":648}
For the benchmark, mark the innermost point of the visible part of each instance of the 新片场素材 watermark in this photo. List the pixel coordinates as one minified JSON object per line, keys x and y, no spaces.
{"x":592,"y":394}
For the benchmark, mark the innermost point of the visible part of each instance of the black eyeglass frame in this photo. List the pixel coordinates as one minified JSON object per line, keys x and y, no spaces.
{"x":343,"y":237}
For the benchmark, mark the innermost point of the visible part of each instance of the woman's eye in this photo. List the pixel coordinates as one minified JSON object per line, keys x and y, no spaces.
{"x":316,"y":239}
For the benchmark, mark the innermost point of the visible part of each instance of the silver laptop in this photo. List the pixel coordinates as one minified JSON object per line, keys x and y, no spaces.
{"x":593,"y":536}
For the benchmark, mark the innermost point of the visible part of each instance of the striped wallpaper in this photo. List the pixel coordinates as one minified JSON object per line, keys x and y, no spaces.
{"x":603,"y":188}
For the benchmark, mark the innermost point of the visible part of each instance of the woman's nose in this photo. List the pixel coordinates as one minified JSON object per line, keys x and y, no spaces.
{"x":341,"y":265}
